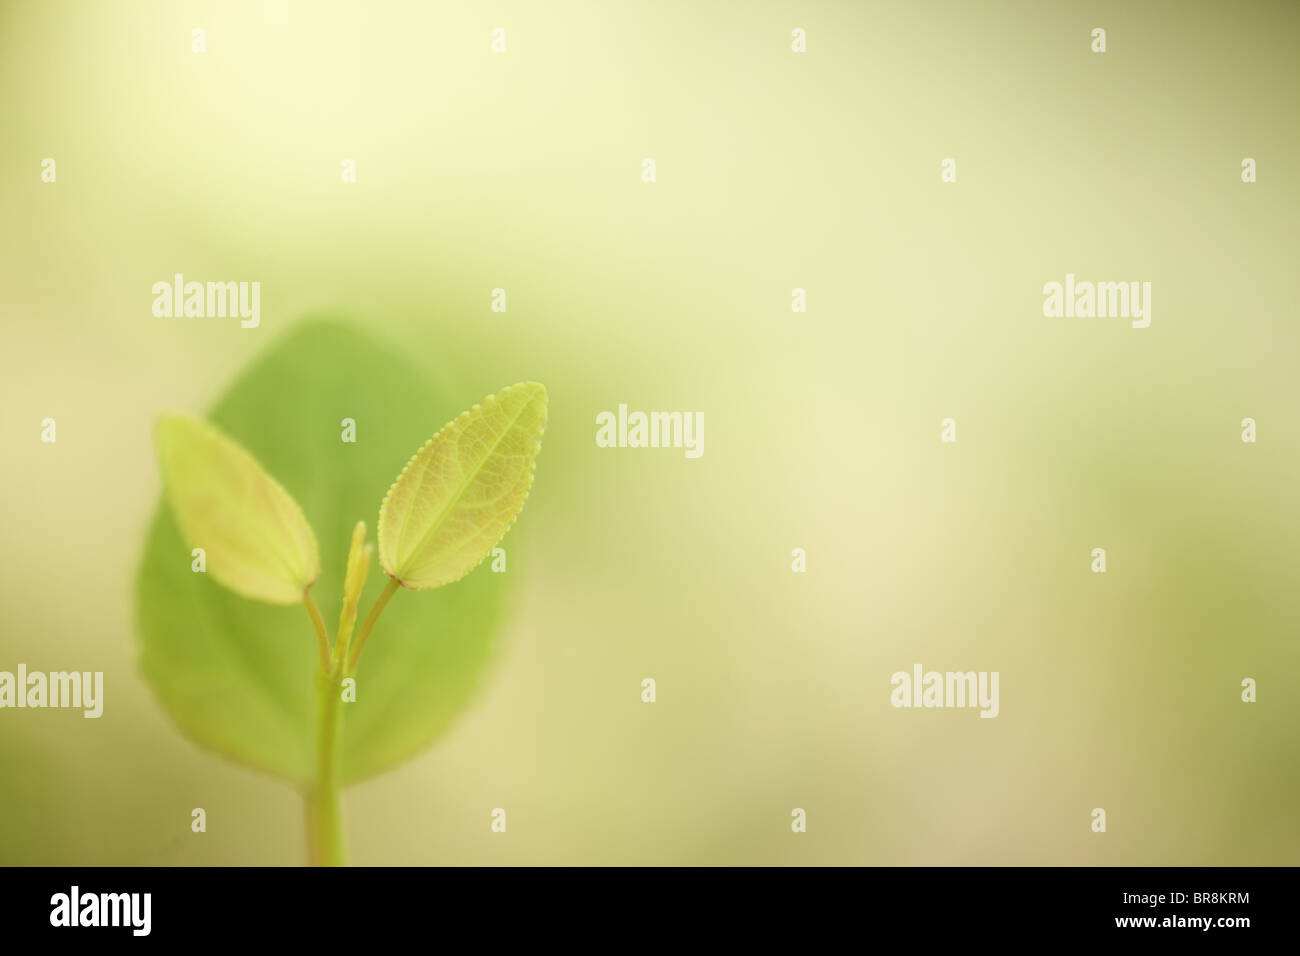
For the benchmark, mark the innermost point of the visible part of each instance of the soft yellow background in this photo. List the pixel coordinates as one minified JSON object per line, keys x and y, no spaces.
{"x":775,"y":170}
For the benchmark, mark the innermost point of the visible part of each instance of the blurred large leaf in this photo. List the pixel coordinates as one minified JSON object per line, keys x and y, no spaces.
{"x":462,"y":490}
{"x":238,"y":676}
{"x":254,"y":535}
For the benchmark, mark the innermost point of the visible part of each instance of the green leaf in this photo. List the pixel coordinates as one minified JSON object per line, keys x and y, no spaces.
{"x":237,"y":676}
{"x":254,"y":535}
{"x":462,"y":491}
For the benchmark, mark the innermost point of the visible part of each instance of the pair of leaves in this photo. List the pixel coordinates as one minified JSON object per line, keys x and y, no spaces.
{"x":447,"y":509}
{"x":237,"y":675}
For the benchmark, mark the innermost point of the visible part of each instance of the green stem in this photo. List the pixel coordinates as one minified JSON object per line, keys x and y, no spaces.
{"x":379,"y":605}
{"x":325,"y":845}
{"x":322,"y":635}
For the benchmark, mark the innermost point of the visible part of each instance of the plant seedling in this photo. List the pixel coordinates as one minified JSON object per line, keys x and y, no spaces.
{"x":445,"y":512}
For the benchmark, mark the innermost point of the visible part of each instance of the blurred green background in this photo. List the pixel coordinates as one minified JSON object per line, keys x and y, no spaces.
{"x":775,"y":171}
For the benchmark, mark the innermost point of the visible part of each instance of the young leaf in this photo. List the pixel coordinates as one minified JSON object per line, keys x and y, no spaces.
{"x":257,"y":541}
{"x":360,"y":555}
{"x":462,"y":491}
